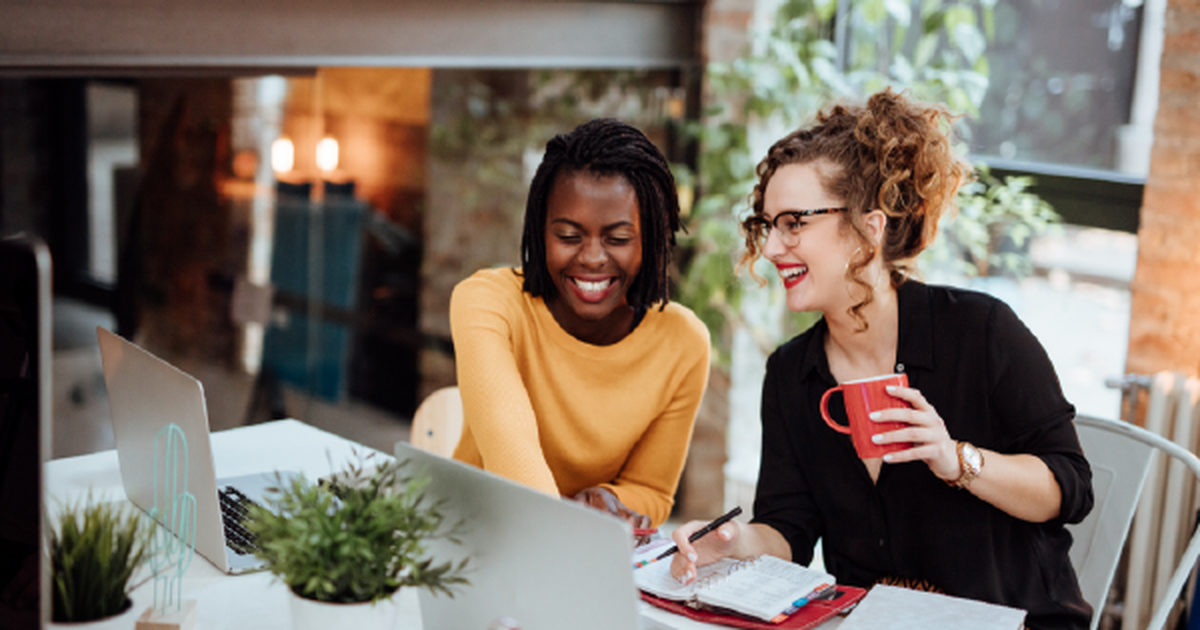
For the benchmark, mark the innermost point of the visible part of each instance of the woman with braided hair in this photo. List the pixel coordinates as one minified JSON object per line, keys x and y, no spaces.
{"x":976,"y":505}
{"x":578,"y":376}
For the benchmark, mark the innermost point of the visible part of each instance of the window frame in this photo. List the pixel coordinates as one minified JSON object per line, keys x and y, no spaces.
{"x":1083,"y":196}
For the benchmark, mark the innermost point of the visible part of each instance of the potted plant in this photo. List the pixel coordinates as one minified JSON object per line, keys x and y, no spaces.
{"x":346,"y":546}
{"x":95,"y":549}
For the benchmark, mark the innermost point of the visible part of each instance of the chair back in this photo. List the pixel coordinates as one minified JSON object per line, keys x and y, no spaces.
{"x":1120,"y":464}
{"x":438,"y":422}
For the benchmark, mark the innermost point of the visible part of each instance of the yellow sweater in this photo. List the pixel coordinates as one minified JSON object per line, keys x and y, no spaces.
{"x":561,"y":415}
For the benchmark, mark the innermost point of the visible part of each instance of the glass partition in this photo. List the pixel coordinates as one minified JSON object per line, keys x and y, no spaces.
{"x":293,"y":241}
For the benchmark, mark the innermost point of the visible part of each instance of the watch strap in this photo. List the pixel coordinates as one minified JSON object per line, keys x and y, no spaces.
{"x":968,"y":472}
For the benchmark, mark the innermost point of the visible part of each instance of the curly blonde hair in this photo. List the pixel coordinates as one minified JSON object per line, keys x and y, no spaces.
{"x":893,"y":154}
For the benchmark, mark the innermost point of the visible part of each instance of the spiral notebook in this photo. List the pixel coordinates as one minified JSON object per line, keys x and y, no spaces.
{"x":766,"y":587}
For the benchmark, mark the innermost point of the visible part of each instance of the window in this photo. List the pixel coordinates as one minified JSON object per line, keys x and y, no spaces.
{"x":1061,"y":84}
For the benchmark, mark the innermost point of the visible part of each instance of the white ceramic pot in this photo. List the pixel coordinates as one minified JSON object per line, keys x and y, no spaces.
{"x":125,"y":620}
{"x":310,"y":614}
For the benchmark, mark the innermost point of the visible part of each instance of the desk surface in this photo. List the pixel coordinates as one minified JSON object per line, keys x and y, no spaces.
{"x":254,"y":600}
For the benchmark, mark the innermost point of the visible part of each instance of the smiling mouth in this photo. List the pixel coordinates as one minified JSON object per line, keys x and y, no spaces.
{"x":592,"y":287}
{"x":593,"y":290}
{"x":792,"y":275}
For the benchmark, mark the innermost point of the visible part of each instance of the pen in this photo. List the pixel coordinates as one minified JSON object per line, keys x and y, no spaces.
{"x":700,"y":533}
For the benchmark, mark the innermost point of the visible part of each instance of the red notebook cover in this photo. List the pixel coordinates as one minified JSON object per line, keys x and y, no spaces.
{"x":810,"y":615}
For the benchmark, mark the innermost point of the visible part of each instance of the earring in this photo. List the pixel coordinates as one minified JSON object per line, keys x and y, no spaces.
{"x":852,"y":257}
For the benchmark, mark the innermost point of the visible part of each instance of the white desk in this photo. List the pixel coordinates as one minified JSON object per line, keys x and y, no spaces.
{"x":254,"y":600}
{"x":240,"y":601}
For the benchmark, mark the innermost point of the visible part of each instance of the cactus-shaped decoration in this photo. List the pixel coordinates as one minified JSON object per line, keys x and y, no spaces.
{"x":172,"y":547}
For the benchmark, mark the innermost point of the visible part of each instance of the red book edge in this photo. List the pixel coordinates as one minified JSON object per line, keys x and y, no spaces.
{"x":809,"y":616}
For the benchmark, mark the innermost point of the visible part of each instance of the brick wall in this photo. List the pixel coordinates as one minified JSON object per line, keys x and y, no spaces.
{"x":1164,"y":329}
{"x":726,"y":28}
{"x":702,"y":490}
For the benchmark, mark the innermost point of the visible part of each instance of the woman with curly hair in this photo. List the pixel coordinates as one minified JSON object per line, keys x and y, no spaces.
{"x":976,"y":506}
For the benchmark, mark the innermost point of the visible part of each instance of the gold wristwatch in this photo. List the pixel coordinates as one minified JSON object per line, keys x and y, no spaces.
{"x":970,"y":462}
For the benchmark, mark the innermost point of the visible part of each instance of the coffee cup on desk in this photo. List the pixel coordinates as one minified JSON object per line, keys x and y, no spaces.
{"x":862,"y":397}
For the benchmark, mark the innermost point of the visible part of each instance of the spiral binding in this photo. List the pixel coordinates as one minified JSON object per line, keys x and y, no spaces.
{"x":717,"y":578}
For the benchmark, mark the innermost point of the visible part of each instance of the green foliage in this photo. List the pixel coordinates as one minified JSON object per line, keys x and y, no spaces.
{"x":995,"y":221}
{"x":94,"y":552}
{"x":816,"y":51}
{"x":356,"y":539}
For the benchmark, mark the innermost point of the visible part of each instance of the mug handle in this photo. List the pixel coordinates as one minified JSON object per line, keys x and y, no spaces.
{"x":825,"y":411}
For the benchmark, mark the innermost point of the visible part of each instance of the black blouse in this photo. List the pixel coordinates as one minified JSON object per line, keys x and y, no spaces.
{"x":993,"y":385}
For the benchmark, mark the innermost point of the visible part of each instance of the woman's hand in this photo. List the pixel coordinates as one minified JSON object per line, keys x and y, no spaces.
{"x":1019,"y":484}
{"x":718,"y":544}
{"x":603,"y":499}
{"x":931,"y":443}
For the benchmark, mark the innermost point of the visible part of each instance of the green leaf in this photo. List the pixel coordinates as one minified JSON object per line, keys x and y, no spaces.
{"x":901,"y":11}
{"x":930,"y":6}
{"x":959,"y":14}
{"x":925,"y":48}
{"x":355,"y":539}
{"x":94,"y":551}
{"x":823,"y":48}
{"x":871,"y":11}
{"x":935,"y":22}
{"x":825,"y":9}
{"x":969,"y":41}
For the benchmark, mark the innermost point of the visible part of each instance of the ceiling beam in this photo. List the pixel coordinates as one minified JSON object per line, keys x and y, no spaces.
{"x":109,"y":36}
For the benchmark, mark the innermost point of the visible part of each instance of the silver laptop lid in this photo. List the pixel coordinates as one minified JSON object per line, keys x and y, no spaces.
{"x":146,"y":393}
{"x":544,"y":562}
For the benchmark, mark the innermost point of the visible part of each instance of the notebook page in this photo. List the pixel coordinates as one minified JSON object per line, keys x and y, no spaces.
{"x":655,"y":578}
{"x":765,"y":587}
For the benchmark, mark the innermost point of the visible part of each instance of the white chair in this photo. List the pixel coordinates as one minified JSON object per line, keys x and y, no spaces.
{"x":438,"y":422}
{"x":1121,"y":455}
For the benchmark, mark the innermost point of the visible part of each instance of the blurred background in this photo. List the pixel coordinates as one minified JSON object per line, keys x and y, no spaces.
{"x":280,"y":199}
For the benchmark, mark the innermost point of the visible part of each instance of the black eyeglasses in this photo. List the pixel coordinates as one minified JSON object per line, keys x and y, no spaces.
{"x":787,"y":223}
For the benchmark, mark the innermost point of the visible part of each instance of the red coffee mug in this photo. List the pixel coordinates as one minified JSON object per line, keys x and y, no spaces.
{"x":862,"y":397}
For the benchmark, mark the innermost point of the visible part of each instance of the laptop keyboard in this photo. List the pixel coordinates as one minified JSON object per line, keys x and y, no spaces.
{"x":234,"y":509}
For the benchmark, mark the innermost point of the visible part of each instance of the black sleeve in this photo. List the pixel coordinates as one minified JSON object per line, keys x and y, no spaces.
{"x":1033,"y":415}
{"x":783,"y":499}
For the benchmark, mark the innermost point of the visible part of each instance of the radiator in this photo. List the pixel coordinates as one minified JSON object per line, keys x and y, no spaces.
{"x":1166,"y":513}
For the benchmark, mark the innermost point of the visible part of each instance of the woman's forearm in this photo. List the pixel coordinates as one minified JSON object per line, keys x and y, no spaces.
{"x":1020,"y":485}
{"x":756,"y":539}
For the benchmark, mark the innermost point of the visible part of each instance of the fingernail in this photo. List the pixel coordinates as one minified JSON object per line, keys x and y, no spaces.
{"x":874,"y":415}
{"x":687,"y":577}
{"x":876,"y":438}
{"x":891,"y":388}
{"x":888,"y":457}
{"x":692,"y":556}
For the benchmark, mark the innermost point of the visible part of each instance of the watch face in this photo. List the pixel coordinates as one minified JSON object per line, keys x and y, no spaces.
{"x":972,"y":457}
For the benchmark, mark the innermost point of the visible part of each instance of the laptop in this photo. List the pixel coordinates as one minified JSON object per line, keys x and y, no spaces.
{"x":536,"y":562}
{"x":146,"y":393}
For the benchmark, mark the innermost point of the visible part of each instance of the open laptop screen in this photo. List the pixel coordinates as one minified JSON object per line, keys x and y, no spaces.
{"x":24,"y":428}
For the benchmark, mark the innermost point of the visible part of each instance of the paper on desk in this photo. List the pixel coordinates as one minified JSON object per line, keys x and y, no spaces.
{"x":651,"y":550}
{"x":895,"y":608}
{"x":656,"y":579}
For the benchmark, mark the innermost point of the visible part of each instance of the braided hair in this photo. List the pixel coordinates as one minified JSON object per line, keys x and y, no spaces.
{"x":605,"y":147}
